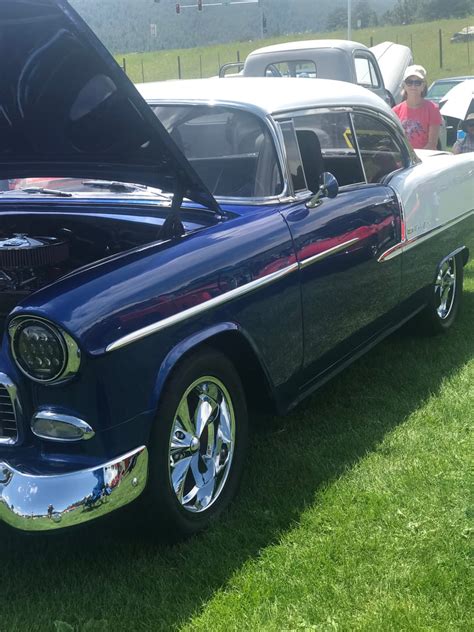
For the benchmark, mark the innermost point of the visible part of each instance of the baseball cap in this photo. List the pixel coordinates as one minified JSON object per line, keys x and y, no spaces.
{"x":415,"y":71}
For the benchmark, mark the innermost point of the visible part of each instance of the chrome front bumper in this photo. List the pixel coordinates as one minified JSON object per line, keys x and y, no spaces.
{"x":40,"y":503}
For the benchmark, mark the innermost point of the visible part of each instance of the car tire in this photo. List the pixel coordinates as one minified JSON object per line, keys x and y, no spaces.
{"x":197,"y":445}
{"x":445,"y":297}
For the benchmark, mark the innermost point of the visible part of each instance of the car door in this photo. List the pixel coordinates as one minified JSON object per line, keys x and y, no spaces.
{"x":348,"y":296}
{"x":368,"y":75}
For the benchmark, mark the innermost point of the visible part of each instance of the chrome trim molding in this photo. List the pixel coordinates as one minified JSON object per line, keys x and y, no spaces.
{"x":40,"y":503}
{"x":12,"y":391}
{"x":401,"y":247}
{"x":327,"y":253}
{"x":72,"y":354}
{"x":202,"y":307}
{"x":69,"y":420}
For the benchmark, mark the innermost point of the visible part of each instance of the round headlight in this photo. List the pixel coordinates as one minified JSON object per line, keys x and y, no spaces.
{"x":42,"y":351}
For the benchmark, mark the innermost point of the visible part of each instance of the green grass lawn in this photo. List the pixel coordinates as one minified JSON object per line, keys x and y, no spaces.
{"x":355,"y":514}
{"x":458,"y":59}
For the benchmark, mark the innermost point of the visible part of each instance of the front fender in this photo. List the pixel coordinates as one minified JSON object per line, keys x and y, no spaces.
{"x":208,"y":335}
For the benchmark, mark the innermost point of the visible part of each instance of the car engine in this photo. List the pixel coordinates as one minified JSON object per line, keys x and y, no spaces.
{"x":29,"y":262}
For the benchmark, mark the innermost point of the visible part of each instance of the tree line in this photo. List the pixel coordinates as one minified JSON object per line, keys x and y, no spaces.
{"x":145,"y":25}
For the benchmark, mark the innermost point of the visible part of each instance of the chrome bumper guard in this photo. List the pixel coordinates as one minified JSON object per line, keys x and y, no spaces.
{"x":40,"y":503}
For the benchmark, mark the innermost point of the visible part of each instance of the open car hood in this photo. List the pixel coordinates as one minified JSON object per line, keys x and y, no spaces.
{"x":68,"y":110}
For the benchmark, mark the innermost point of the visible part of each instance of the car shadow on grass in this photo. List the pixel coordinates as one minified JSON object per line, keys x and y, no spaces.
{"x":114,"y":575}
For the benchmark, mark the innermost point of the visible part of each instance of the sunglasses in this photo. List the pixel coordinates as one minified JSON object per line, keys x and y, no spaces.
{"x":413,"y":82}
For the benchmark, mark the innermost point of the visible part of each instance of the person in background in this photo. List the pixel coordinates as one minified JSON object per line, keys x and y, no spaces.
{"x":420,"y":118}
{"x":467,"y":143}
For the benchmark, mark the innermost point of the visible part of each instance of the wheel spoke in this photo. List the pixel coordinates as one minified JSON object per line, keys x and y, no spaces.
{"x":205,"y":494}
{"x":225,"y":424}
{"x":205,"y":412}
{"x":179,"y":474}
{"x":184,"y":417}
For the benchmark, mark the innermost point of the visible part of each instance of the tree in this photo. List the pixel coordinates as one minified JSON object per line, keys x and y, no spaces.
{"x":437,"y":9}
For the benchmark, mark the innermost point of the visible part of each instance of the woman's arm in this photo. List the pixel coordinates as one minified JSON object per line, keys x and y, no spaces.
{"x":433,"y":135}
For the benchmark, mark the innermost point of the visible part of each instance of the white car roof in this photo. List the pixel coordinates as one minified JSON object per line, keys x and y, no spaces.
{"x":270,"y":95}
{"x":308,"y":44}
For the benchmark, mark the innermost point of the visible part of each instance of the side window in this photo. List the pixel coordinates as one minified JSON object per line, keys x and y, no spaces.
{"x":293,"y":156}
{"x":325,"y":144}
{"x":379,"y":150}
{"x":366,"y":74}
{"x":300,"y":69}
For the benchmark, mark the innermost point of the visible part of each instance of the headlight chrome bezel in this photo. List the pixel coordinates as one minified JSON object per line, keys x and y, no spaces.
{"x":71,"y":351}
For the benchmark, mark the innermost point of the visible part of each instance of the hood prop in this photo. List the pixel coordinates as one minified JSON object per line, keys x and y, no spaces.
{"x":172,"y":227}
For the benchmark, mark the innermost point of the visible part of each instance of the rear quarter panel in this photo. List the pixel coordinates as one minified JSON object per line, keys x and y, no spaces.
{"x":437,"y":198}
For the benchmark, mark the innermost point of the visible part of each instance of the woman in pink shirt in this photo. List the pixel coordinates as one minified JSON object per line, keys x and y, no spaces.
{"x":420,"y":118}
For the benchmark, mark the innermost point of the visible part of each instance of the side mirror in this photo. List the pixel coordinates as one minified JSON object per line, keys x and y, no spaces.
{"x":389,"y":98}
{"x":329,"y":188}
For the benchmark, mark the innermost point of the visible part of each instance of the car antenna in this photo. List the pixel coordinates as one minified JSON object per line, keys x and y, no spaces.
{"x":172,"y":227}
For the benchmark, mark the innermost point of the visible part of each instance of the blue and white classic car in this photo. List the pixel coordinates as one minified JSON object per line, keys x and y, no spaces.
{"x":228,"y":244}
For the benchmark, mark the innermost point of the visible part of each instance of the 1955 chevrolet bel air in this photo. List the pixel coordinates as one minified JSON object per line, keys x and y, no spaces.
{"x":210,"y":245}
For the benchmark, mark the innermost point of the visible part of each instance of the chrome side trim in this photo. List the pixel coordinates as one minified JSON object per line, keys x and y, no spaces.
{"x":403,"y":246}
{"x":202,"y":307}
{"x":327,"y":253}
{"x":12,"y":391}
{"x":33,"y":502}
{"x":70,"y":420}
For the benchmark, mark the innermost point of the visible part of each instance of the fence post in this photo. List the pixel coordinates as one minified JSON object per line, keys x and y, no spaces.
{"x":440,"y":49}
{"x":371,"y":41}
{"x":218,"y":62}
{"x":238,"y":55}
{"x":179,"y":67}
{"x":396,"y":39}
{"x":124,"y":65}
{"x":143,"y":72}
{"x":468,"y":49}
{"x":200,"y":66}
{"x":411,"y":42}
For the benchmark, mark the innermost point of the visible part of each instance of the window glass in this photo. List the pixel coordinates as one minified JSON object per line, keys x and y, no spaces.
{"x":366,"y":75}
{"x":293,"y":156}
{"x":299,"y":69}
{"x":232,"y":151}
{"x":379,"y":150}
{"x":325,"y":143}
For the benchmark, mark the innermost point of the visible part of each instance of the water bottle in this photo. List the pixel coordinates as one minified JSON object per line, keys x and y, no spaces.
{"x":461,"y":135}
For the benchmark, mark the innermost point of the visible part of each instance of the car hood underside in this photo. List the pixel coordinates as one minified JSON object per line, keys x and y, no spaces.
{"x":67,"y":109}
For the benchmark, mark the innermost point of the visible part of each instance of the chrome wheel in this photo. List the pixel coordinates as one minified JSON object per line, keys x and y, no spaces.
{"x":445,"y":288}
{"x":201,"y":444}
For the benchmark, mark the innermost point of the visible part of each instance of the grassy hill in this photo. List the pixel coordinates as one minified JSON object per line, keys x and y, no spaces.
{"x":458,"y":59}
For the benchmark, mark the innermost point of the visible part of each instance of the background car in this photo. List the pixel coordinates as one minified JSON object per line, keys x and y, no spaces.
{"x":437,"y":90}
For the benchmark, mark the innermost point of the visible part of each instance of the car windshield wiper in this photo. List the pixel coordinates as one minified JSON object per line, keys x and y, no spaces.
{"x":122,"y":187}
{"x":44,"y":191}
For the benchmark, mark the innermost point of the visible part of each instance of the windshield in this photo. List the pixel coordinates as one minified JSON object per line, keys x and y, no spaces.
{"x":232,"y":151}
{"x":438,"y":90}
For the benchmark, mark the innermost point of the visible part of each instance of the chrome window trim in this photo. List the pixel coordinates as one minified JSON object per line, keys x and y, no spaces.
{"x":12,"y":391}
{"x":357,"y":148}
{"x":72,"y":360}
